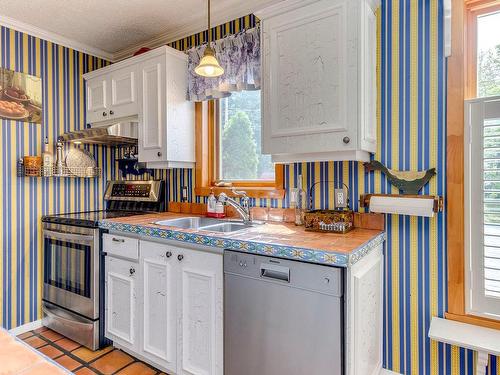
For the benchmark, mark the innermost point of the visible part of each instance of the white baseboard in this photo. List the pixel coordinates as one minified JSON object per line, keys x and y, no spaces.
{"x":388,"y":372}
{"x":26,"y":327}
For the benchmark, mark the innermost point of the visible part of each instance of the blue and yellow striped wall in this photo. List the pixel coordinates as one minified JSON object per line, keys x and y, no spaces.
{"x":24,"y":200}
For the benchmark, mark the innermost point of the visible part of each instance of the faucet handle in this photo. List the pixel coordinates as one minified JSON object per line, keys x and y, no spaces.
{"x":239,"y":192}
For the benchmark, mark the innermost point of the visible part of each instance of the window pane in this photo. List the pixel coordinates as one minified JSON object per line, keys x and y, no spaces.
{"x":488,"y":55}
{"x":240,"y":139}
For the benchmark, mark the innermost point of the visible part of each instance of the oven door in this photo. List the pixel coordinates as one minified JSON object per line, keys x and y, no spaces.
{"x":71,"y":268}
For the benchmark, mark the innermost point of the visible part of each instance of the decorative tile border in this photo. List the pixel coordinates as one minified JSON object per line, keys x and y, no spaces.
{"x":288,"y":252}
{"x":360,"y":252}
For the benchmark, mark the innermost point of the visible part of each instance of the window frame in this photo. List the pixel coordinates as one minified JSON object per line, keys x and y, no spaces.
{"x":207,"y":140}
{"x":462,"y":69}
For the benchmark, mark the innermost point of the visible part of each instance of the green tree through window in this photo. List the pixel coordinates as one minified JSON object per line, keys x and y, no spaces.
{"x":240,"y":147}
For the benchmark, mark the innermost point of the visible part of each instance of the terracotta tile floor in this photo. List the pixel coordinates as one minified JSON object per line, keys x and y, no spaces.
{"x":83,"y":361}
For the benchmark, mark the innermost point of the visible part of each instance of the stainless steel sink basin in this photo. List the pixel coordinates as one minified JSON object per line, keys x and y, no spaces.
{"x":227,"y":227}
{"x":208,"y":224}
{"x":189,"y":222}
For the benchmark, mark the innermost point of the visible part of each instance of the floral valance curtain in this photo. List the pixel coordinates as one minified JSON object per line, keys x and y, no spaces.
{"x":239,"y":55}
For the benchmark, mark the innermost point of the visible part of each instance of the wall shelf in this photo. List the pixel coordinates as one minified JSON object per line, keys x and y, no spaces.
{"x":53,"y":171}
{"x":414,"y":205}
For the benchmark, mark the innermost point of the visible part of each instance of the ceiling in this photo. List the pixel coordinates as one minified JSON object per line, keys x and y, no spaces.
{"x":113,"y":29}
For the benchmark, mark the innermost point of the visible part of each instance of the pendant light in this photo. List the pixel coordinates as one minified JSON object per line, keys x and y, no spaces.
{"x":209,"y":66}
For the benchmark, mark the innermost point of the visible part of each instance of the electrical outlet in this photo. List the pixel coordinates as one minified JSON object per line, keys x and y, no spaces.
{"x":340,"y":198}
{"x":184,"y":193}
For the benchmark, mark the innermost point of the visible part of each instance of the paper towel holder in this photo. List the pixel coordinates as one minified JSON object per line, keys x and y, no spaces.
{"x":438,"y":201}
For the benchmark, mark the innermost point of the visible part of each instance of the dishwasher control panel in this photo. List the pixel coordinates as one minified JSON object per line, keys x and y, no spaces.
{"x":313,"y":277}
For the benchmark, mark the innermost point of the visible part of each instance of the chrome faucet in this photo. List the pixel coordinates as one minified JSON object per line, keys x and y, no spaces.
{"x":243,"y":209}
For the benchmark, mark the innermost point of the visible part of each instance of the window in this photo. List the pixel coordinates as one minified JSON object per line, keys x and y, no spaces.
{"x":228,"y":148}
{"x":488,"y":55}
{"x":239,"y":156}
{"x":482,"y":207}
{"x":472,"y":172}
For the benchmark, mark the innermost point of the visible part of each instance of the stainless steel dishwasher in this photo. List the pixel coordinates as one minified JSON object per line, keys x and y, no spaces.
{"x":281,"y":317}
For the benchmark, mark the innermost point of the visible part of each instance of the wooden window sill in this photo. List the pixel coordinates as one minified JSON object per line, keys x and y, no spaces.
{"x":252,"y":191}
{"x":475,"y":320}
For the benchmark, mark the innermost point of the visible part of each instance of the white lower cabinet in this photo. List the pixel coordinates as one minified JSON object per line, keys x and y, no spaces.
{"x":201,"y":323}
{"x":169,"y":310}
{"x":121,"y":302}
{"x":159,"y":305}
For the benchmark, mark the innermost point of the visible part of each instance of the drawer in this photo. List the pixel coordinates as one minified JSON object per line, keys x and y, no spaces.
{"x":121,"y":246}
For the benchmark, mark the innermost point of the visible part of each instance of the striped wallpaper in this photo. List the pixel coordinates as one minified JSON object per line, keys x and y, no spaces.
{"x":24,"y":200}
{"x":411,"y":132}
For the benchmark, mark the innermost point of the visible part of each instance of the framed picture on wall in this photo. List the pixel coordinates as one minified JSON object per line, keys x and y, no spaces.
{"x":20,"y":96}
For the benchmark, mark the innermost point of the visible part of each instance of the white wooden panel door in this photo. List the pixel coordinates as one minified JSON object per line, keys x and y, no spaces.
{"x":368,"y":93}
{"x":121,"y":301}
{"x":159,"y":304}
{"x":152,"y":116}
{"x":307,"y":60}
{"x":124,"y":93}
{"x":97,"y":99}
{"x":201,"y":324}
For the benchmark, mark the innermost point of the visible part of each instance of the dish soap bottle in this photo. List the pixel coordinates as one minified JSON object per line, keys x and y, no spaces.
{"x":300,"y":202}
{"x":211,"y":204}
{"x":47,"y":159}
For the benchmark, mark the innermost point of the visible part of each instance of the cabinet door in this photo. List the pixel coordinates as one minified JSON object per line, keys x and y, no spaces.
{"x":152,"y":116}
{"x":121,"y":301}
{"x":201,"y":323}
{"x":97,"y":99}
{"x":123,"y":93}
{"x":309,"y":74}
{"x":159,"y":304}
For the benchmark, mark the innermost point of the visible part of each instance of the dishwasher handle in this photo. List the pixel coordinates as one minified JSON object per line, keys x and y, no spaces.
{"x":271,"y":271}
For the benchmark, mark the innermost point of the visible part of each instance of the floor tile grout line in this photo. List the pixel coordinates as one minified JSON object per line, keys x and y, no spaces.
{"x":85,"y":364}
{"x":66,"y":352}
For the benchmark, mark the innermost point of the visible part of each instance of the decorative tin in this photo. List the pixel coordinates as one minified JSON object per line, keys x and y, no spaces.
{"x":329,"y":221}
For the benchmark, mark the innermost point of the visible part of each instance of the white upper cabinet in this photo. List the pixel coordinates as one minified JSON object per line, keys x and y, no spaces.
{"x":319,"y":80}
{"x":149,"y":89}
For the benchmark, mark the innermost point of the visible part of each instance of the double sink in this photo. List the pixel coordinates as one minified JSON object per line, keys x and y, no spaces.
{"x":208,"y":224}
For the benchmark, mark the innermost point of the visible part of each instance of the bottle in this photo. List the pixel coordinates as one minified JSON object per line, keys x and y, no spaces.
{"x":47,"y":159}
{"x":300,"y":202}
{"x":219,"y":210}
{"x":59,"y":170}
{"x":211,"y":204}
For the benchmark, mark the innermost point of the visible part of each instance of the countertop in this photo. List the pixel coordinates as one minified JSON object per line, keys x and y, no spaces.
{"x":280,"y":239}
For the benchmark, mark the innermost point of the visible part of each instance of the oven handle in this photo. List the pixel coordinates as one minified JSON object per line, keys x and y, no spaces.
{"x":68,"y":236}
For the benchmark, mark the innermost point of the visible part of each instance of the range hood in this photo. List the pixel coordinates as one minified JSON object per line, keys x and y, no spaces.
{"x":118,"y":134}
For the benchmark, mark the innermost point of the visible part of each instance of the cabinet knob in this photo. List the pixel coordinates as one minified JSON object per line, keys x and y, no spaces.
{"x":168,"y":254}
{"x":346,"y":140}
{"x":159,"y":153}
{"x":180,"y":257}
{"x":104,"y":114}
{"x":111,"y":113}
{"x":132,"y":271}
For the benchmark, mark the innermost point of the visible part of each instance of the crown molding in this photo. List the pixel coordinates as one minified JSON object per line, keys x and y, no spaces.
{"x":54,"y":38}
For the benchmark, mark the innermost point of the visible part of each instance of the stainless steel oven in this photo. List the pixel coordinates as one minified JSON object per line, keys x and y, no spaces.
{"x":71,"y":281}
{"x":73,"y":296}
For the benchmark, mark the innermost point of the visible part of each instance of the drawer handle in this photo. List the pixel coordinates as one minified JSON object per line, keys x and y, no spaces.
{"x":159,"y":154}
{"x":104,"y":114}
{"x":121,"y":240}
{"x":111,"y":113}
{"x":180,"y":257}
{"x":168,"y":254}
{"x":132,"y":271}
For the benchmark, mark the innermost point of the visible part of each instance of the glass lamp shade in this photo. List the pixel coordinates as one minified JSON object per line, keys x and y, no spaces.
{"x":209,"y":66}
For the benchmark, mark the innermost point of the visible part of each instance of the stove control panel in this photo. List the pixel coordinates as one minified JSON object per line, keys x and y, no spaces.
{"x":130,"y":190}
{"x":140,"y":191}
